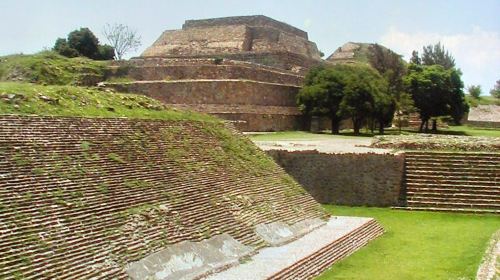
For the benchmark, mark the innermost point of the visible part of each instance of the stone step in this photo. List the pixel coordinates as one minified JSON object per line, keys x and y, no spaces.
{"x":458,"y":195}
{"x":418,"y":203}
{"x":495,"y":176}
{"x":319,"y":261}
{"x":439,"y":209}
{"x":410,"y":159}
{"x":453,"y":155}
{"x":454,"y":199}
{"x":491,"y":169}
{"x":447,"y":164}
{"x":438,"y":180}
{"x":479,"y":191}
{"x":451,"y":186}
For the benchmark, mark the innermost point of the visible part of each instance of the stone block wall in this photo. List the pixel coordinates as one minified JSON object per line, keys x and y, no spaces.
{"x":346,"y":179}
{"x":214,"y":92}
{"x":212,"y":72}
{"x":81,"y":198}
{"x":257,"y":20}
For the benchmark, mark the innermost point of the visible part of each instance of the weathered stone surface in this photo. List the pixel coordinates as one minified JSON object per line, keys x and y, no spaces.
{"x":279,"y":233}
{"x":187,"y":260}
{"x":235,"y":35}
{"x":485,"y":116}
{"x":346,"y":179}
{"x":82,"y":197}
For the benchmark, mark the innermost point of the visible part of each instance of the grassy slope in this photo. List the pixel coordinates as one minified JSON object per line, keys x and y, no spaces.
{"x":49,"y":68}
{"x":483,"y":100}
{"x":24,"y":99}
{"x":417,"y":245}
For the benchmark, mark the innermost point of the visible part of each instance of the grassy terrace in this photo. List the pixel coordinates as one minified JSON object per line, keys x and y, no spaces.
{"x":417,"y":245}
{"x":32,"y":99}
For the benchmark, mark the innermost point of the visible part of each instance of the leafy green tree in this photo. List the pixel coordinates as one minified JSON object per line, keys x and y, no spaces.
{"x":474,"y":91}
{"x":436,"y":54}
{"x":495,"y":91}
{"x":105,"y":52}
{"x":84,"y":41}
{"x":415,"y":58}
{"x":62,"y":47}
{"x":365,"y":96}
{"x":436,"y":91}
{"x":322,"y":94}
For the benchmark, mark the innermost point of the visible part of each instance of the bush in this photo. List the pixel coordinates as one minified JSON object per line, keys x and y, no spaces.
{"x":83,"y":42}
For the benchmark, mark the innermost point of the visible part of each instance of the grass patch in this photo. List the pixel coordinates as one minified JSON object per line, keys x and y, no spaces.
{"x":472,"y":131}
{"x":32,"y":99}
{"x":50,"y":68}
{"x":482,"y":100}
{"x":417,"y":245}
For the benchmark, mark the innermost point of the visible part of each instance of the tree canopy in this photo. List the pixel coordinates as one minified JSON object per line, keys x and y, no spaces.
{"x":83,"y":42}
{"x":346,"y":91}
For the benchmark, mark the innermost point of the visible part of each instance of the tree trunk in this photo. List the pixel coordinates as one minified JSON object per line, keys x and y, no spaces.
{"x":421,"y":129}
{"x":381,"y":128}
{"x":434,"y":125}
{"x":335,"y":124}
{"x":356,"y":126}
{"x":426,"y":125}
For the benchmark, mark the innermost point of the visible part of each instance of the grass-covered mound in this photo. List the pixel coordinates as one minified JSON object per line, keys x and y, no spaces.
{"x":417,"y":245}
{"x":32,"y":99}
{"x":483,"y":100}
{"x":52,"y":69}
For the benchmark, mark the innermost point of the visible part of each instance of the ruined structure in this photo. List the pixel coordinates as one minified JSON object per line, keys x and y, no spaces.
{"x":85,"y":198}
{"x":245,"y":69}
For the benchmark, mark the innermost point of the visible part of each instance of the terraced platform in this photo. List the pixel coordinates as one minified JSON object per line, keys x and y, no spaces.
{"x":255,"y":96}
{"x":87,"y":198}
{"x":308,"y":256}
{"x":81,"y":198}
{"x":446,"y":181}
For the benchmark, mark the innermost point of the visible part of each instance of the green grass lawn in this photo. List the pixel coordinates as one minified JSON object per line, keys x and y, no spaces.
{"x":300,"y":135}
{"x":472,"y":131}
{"x":417,"y":245}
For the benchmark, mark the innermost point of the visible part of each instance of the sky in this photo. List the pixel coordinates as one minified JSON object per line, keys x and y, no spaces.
{"x":469,"y":30}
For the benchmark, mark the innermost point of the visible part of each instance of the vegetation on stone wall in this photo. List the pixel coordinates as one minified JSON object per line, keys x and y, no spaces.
{"x":30,"y":99}
{"x":51,"y":68}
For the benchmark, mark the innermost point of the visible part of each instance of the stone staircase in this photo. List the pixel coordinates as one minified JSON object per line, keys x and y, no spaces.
{"x":449,"y":181}
{"x":319,"y":261}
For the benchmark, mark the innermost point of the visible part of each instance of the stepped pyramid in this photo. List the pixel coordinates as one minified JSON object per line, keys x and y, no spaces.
{"x":244,"y":69}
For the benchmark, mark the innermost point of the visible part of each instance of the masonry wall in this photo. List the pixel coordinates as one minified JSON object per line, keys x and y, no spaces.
{"x":214,"y":92}
{"x":213,"y":72}
{"x":346,"y":179}
{"x":81,"y":198}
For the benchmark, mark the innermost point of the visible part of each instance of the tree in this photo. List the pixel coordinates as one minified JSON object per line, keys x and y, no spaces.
{"x":495,"y":91}
{"x":436,"y":54}
{"x":474,"y":91}
{"x":404,"y":106}
{"x":436,"y":91}
{"x":415,"y":58}
{"x":62,"y":47}
{"x":122,"y":39}
{"x":322,"y":94}
{"x":85,"y":42}
{"x":105,"y":52}
{"x":364,"y":97}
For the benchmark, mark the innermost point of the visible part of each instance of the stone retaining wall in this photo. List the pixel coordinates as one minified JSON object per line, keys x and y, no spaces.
{"x":232,"y":92}
{"x":80,"y":198}
{"x":346,"y":179}
{"x":215,"y":72}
